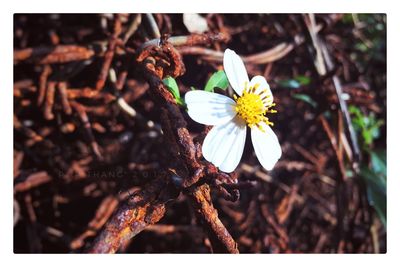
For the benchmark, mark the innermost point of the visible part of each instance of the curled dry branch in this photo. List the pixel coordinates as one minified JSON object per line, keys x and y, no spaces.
{"x":185,"y":170}
{"x":144,"y":208}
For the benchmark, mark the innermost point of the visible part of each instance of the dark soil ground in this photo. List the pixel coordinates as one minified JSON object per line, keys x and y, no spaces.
{"x":78,"y":154}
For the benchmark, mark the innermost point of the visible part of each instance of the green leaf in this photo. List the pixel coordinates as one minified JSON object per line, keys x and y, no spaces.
{"x":172,"y":86}
{"x":347,"y":19}
{"x":290,"y":84}
{"x":375,"y":179}
{"x":219,"y":80}
{"x":353,"y":109}
{"x":367,"y":136}
{"x":174,"y":89}
{"x":378,"y":201}
{"x":361,"y":47}
{"x":295,"y":83}
{"x":180,"y":101}
{"x":303,"y":80}
{"x":376,"y":192}
{"x":378,"y":162}
{"x":366,"y":126}
{"x":305,"y":98}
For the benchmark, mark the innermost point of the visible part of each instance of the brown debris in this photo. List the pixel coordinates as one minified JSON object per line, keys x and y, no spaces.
{"x":32,"y":181}
{"x":51,"y":55}
{"x":105,"y":161}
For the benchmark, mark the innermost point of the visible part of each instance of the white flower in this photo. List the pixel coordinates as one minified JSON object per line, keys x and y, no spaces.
{"x":224,"y":144}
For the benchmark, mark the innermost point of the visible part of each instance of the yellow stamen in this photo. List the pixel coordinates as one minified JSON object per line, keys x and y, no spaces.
{"x":253,"y":107}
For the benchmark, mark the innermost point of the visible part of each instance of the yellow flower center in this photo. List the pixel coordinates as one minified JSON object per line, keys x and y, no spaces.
{"x":253,"y":105}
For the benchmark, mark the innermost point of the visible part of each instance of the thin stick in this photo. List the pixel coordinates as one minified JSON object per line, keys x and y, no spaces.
{"x":31,"y":134}
{"x":323,"y":58}
{"x":43,"y":83}
{"x":48,"y":105}
{"x":319,"y":60}
{"x":88,"y":128}
{"x":132,"y":28}
{"x":220,"y":238}
{"x":32,"y":181}
{"x":109,"y":55}
{"x":153,"y":25}
{"x":268,"y":56}
{"x":343,"y":108}
{"x":51,"y":55}
{"x":334,"y":143}
{"x":62,"y":88}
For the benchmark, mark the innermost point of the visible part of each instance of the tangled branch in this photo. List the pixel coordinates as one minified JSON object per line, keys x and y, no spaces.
{"x":187,"y":174}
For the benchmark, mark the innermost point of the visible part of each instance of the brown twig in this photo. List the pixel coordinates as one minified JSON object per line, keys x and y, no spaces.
{"x":43,"y":84}
{"x":164,"y":229}
{"x":48,"y":105}
{"x":103,"y":213}
{"x":130,"y":219}
{"x":50,"y":55}
{"x":109,"y":55}
{"x":144,"y":208}
{"x":87,"y":126}
{"x":32,"y":181}
{"x":268,"y":56}
{"x":335,"y":146}
{"x":34,"y":242}
{"x":188,"y":40}
{"x":62,"y":88}
{"x":32,"y":135}
{"x":132,"y":27}
{"x":220,"y":238}
{"x":175,"y":129}
{"x":269,"y":217}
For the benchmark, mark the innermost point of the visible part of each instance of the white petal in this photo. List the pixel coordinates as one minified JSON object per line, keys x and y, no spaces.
{"x":266,"y":146}
{"x":209,"y":108}
{"x":235,"y":71}
{"x":224,"y":144}
{"x":262,"y":85}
